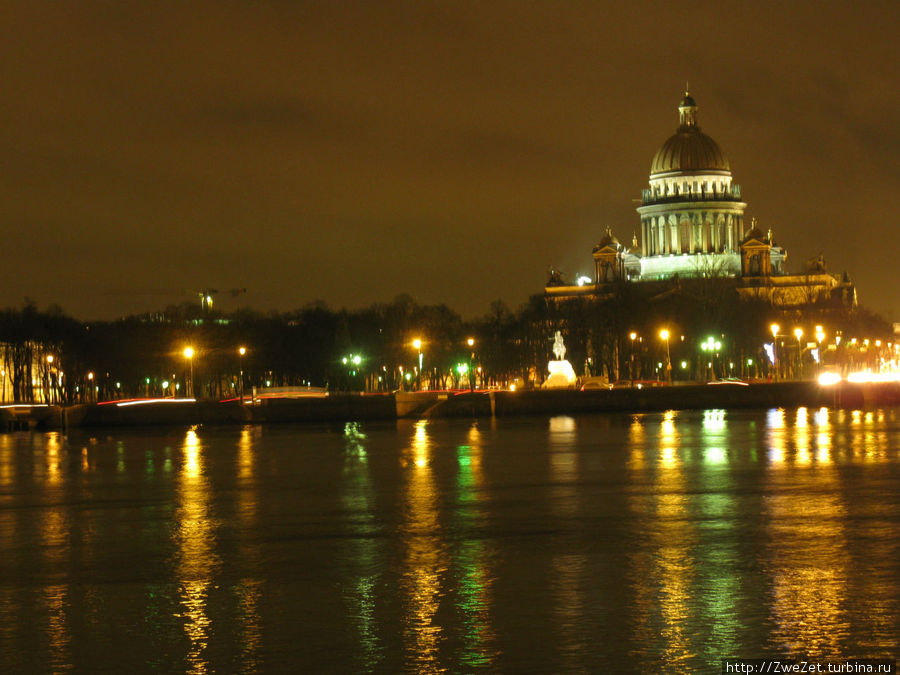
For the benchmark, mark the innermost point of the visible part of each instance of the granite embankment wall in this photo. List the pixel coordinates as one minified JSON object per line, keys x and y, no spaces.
{"x":327,"y":409}
{"x":345,"y":407}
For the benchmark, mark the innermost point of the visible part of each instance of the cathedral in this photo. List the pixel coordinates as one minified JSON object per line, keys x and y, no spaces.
{"x":692,"y":225}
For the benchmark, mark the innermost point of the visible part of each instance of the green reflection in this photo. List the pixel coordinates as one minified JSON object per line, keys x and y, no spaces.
{"x":718,"y":541}
{"x":358,"y":499}
{"x":473,"y":600}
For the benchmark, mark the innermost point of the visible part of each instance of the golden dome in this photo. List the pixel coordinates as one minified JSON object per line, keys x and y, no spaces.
{"x":689,"y":149}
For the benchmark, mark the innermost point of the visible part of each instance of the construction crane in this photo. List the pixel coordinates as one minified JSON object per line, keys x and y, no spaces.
{"x":206,"y":296}
{"x":206,"y":299}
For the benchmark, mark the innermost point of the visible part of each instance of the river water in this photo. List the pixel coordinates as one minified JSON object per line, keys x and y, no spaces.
{"x":614,"y":543}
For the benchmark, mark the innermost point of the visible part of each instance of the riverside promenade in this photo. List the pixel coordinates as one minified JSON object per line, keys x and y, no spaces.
{"x":437,"y":404}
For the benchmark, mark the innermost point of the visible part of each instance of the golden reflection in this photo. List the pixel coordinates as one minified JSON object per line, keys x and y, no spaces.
{"x":55,"y":541}
{"x":249,"y":589}
{"x":802,"y":454}
{"x":58,"y":634}
{"x":562,"y":424}
{"x":808,"y":562}
{"x":671,"y":552}
{"x":668,"y":439}
{"x":425,"y":561}
{"x":568,"y":567}
{"x":7,"y":464}
{"x":197,"y":558}
{"x":667,"y":430}
{"x":54,"y":458}
{"x":420,"y":445}
{"x":636,"y":442}
{"x":9,"y":519}
{"x":775,"y":435}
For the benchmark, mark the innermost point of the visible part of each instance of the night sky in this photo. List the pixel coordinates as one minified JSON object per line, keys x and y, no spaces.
{"x":350,"y":152}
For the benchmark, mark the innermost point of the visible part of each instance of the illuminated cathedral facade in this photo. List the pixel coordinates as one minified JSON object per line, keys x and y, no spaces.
{"x":692,"y":225}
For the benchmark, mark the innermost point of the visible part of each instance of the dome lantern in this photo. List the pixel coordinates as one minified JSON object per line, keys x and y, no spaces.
{"x":689,"y":150}
{"x":687,"y":111}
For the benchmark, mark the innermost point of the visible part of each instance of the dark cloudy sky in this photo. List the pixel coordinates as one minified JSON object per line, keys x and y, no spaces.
{"x":350,"y":151}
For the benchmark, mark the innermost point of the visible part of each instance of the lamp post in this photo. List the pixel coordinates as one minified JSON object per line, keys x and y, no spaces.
{"x":775,"y":328}
{"x":189,"y":355}
{"x":664,"y":334}
{"x":633,"y":336}
{"x":417,"y":343}
{"x":241,"y":352}
{"x":471,"y":343}
{"x":48,"y":395}
{"x":798,"y":332}
{"x":820,"y":337}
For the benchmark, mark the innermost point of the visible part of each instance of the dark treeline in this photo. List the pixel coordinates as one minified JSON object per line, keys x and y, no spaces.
{"x":51,"y":357}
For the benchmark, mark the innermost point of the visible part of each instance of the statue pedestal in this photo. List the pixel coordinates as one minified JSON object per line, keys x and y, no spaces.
{"x":562,"y":376}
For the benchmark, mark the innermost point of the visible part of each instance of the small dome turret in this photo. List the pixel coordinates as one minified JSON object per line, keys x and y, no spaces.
{"x":689,"y":150}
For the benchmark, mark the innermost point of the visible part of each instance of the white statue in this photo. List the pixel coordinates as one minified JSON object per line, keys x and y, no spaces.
{"x":559,"y":348}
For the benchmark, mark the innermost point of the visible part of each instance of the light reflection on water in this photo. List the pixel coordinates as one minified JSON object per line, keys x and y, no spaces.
{"x":425,"y":562}
{"x":637,"y":542}
{"x":197,"y":556}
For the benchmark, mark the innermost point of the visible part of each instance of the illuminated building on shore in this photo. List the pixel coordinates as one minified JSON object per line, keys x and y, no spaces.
{"x":692,"y":225}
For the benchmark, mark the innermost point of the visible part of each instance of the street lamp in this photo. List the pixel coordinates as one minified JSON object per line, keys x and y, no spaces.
{"x":799,"y":333}
{"x":241,"y":352}
{"x":633,"y":336}
{"x":712,"y":346}
{"x":189,"y":355}
{"x":417,"y":343}
{"x":775,"y":328}
{"x":664,"y":334}
{"x":471,"y":370}
{"x":48,"y":395}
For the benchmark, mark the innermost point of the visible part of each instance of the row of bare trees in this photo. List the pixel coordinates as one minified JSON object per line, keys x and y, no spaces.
{"x":49,"y":356}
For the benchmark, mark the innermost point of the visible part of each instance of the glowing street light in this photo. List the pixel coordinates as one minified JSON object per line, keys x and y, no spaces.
{"x":799,"y":333}
{"x":471,"y":369}
{"x":189,"y":355}
{"x":417,"y":343}
{"x":664,"y":334}
{"x":632,"y":336}
{"x":241,"y":352}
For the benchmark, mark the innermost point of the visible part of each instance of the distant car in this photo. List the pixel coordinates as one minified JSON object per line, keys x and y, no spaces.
{"x":592,"y":383}
{"x":730,"y":380}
